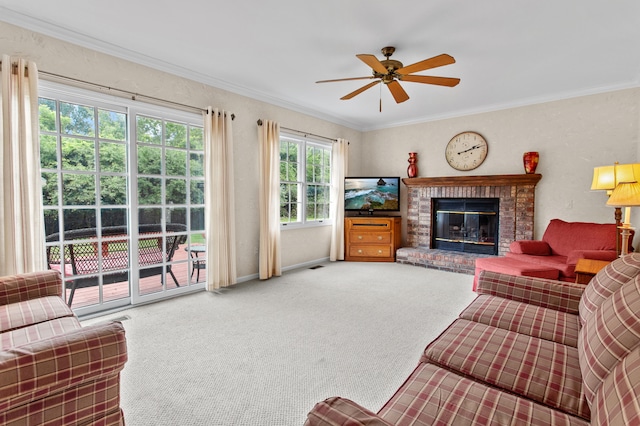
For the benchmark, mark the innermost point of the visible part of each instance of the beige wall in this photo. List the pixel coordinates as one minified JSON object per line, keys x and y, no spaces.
{"x":572,"y":136}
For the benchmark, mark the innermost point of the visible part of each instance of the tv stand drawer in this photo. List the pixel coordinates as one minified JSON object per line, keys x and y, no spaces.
{"x":383,"y":251}
{"x":360,"y":237}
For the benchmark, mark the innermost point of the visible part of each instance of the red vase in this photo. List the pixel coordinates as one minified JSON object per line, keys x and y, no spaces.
{"x":412,"y":170}
{"x":530,"y":160}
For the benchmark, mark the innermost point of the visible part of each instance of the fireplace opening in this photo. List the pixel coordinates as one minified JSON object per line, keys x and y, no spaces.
{"x":468,"y":225}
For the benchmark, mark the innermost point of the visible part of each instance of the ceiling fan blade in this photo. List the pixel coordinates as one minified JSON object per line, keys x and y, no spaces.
{"x":436,"y":61}
{"x":346,"y":79}
{"x":426,"y":79}
{"x":373,"y":62}
{"x":360,"y":90}
{"x":397,"y":91}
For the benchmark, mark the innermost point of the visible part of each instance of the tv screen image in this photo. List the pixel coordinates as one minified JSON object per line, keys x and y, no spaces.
{"x":372,"y":193}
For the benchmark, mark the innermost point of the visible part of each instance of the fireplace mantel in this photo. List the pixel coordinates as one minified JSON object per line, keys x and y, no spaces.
{"x":489,"y":180}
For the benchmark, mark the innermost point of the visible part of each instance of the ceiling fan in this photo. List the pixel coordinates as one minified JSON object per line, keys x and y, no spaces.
{"x":390,"y":72}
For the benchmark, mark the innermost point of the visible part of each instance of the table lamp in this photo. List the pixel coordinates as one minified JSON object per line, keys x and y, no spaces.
{"x":627,"y":195}
{"x":606,"y":178}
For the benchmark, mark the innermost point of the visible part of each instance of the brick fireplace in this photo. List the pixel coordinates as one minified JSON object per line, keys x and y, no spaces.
{"x":516,"y":195}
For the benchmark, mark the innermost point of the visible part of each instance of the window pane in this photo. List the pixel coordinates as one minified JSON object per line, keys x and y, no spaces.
{"x":79,"y":218}
{"x":149,"y":190}
{"x":149,"y":160}
{"x":149,"y":216}
{"x":48,"y":152}
{"x":176,"y":162}
{"x":112,"y":125}
{"x":197,"y":192}
{"x":50,"y":189}
{"x":176,"y":191}
{"x":176,"y":135}
{"x":113,"y":190}
{"x":177,"y":215}
{"x":47,"y":114}
{"x":197,"y":219}
{"x":51,"y":222}
{"x":77,"y":119}
{"x":78,"y":189}
{"x":78,"y":154}
{"x":149,"y":130}
{"x":113,"y":157}
{"x":196,"y":138}
{"x":113,"y":217}
{"x":197,"y":164}
{"x":311,"y":212}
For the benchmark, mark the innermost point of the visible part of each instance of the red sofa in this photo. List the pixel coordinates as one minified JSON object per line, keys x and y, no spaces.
{"x":556,"y":255}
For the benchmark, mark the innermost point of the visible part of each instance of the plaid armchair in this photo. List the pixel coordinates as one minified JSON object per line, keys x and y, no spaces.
{"x":53,"y":371}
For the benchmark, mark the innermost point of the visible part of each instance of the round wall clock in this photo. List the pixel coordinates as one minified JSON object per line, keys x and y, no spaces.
{"x":466,"y":151}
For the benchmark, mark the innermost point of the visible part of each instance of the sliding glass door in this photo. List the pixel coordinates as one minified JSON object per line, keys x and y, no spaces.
{"x":124,"y":220}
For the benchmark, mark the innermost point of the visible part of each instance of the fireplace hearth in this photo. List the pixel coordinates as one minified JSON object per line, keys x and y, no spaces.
{"x":515,"y":195}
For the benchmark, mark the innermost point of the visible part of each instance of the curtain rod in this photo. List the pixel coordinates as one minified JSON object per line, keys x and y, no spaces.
{"x":132,"y":95}
{"x":302,"y":133}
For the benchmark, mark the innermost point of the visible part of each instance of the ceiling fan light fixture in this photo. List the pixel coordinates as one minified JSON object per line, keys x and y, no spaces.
{"x":391,"y":72}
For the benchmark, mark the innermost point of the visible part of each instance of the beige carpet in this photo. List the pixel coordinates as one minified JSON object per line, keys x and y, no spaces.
{"x":264,"y":352}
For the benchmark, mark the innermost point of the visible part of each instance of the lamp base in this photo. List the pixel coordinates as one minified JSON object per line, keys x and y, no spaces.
{"x":626,"y":232}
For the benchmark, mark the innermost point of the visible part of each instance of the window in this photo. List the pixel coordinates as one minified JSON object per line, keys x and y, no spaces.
{"x":305,"y":181}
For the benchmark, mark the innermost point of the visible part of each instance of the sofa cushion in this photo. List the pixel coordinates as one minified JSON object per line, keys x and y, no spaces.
{"x":538,"y":369}
{"x":434,"y":395}
{"x":607,"y":281}
{"x":563,"y":237}
{"x":524,"y":318}
{"x":533,"y":247}
{"x":33,"y":311}
{"x":616,"y":401}
{"x":556,"y":295}
{"x":42,"y":330}
{"x":18,"y":288}
{"x":609,"y":335}
{"x":552,"y":261}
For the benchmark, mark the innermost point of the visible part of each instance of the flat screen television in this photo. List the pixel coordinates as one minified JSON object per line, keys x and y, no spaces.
{"x":372,"y":194}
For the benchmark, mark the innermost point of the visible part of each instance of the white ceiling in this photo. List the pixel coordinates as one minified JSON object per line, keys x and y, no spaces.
{"x":508,"y":52}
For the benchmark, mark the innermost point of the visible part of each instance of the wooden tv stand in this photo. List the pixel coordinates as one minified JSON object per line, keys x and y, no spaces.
{"x":372,"y":239}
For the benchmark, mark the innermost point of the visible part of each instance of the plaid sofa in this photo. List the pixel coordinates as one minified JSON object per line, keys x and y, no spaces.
{"x":52,"y":370}
{"x":525,"y":351}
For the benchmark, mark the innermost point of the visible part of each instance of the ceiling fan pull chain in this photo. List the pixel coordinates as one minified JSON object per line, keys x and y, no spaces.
{"x":381,"y":98}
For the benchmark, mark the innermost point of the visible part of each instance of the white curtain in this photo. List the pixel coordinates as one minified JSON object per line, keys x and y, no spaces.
{"x":339,"y":165}
{"x":219,"y":206}
{"x":269,"y":138}
{"x":21,"y":220}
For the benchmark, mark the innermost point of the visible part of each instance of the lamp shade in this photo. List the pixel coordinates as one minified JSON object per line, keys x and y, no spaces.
{"x":626,"y":194}
{"x":604,"y":178}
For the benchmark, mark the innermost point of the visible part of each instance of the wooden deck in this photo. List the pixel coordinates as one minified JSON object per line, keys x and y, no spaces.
{"x":181,"y":265}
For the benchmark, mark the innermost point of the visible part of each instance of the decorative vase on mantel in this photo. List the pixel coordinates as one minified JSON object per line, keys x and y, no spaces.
{"x":530,"y":160}
{"x":412,"y":170}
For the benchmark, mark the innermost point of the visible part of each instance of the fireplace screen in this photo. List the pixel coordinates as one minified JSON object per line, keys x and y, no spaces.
{"x":466,"y":224}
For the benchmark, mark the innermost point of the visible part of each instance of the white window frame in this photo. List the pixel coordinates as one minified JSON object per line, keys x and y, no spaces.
{"x":304,"y":142}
